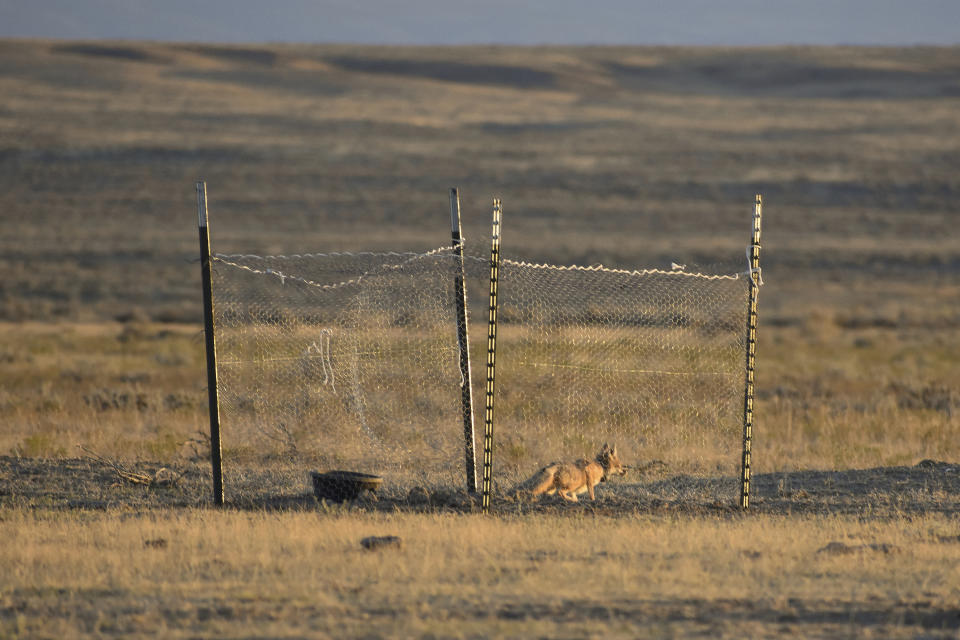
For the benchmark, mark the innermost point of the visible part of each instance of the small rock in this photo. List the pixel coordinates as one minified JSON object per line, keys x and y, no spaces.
{"x":372,"y":543}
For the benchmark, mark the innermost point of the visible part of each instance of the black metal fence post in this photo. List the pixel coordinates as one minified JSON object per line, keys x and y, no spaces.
{"x":206,"y":273}
{"x":463,"y":340}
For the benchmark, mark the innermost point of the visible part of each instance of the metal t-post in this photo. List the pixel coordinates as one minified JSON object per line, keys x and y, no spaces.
{"x":463,"y":340}
{"x":206,"y":273}
{"x":491,"y":358}
{"x":753,"y":253}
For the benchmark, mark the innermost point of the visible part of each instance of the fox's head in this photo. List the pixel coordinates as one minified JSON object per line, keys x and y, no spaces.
{"x":610,"y":462}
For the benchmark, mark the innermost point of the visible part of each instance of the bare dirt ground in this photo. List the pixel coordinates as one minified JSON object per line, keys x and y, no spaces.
{"x":927,"y":488}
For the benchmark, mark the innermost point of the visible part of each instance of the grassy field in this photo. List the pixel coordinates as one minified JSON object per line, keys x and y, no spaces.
{"x":629,"y":157}
{"x":296,"y":575}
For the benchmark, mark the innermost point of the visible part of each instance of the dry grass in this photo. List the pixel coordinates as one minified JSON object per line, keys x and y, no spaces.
{"x":830,"y":397}
{"x":127,"y":390}
{"x":632,"y":157}
{"x":206,"y":573}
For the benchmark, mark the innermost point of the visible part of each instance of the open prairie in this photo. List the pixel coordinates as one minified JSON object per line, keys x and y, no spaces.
{"x":629,"y":157}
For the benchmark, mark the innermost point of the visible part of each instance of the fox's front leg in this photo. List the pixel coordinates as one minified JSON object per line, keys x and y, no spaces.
{"x":590,"y":491}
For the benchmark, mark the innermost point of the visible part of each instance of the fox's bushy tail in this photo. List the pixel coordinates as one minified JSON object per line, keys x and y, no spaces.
{"x":539,"y":483}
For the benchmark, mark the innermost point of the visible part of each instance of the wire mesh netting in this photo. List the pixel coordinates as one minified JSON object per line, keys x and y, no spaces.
{"x":347,"y":360}
{"x":652,"y":361}
{"x":350,"y":361}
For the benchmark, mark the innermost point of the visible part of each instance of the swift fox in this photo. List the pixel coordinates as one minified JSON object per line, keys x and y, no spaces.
{"x":569,"y":479}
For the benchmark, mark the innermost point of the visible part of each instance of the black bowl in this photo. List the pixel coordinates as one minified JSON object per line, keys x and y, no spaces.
{"x":340,"y":486}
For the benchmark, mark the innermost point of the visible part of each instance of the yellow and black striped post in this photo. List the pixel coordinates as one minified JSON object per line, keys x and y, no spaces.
{"x":463,"y":340}
{"x":491,"y":358}
{"x":753,"y":254}
{"x":206,"y":277}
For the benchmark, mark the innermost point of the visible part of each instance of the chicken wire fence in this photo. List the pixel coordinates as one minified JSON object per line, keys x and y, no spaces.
{"x":652,"y":361}
{"x":351,"y":361}
{"x":347,"y":359}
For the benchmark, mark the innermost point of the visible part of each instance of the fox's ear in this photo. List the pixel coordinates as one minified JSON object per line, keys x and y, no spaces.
{"x":606,"y":447}
{"x":614,"y":450}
